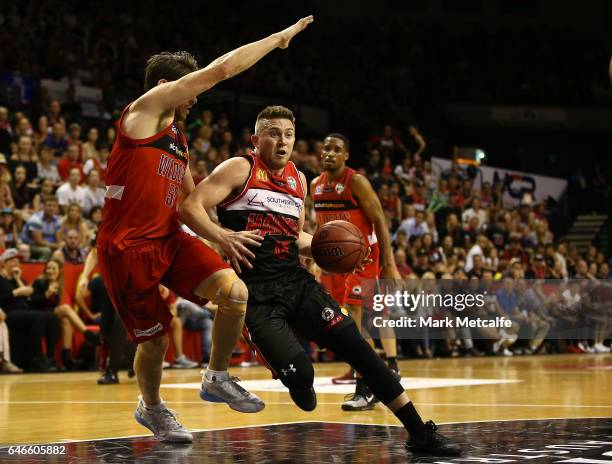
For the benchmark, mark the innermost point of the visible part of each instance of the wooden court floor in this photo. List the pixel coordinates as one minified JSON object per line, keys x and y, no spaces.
{"x":44,"y":408}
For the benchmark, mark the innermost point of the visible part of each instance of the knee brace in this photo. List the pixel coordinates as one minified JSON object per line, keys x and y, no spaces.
{"x":298,"y":377}
{"x":348,"y":342}
{"x":230,"y":294}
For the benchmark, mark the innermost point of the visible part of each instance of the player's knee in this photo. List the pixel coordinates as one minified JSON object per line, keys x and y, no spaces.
{"x":231,"y":295}
{"x":156,"y":347}
{"x":298,"y":377}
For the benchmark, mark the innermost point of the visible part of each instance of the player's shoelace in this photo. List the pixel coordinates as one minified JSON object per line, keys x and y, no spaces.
{"x":232,"y":384}
{"x":166,"y":419}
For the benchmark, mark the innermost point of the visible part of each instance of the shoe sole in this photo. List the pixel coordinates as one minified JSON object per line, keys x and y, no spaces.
{"x":434,"y":452}
{"x":204,"y":395}
{"x":360,"y":408}
{"x":142,"y":422}
{"x":344,"y":382}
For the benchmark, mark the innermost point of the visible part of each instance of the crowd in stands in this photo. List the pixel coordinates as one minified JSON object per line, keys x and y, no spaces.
{"x":53,"y":160}
{"x":443,"y":227}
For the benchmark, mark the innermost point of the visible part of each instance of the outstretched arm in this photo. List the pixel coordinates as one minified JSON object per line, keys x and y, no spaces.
{"x":169,"y":95}
{"x":226,"y":178}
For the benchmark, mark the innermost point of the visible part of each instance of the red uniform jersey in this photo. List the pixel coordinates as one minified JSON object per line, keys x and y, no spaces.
{"x":143,"y":181}
{"x":335,"y":201}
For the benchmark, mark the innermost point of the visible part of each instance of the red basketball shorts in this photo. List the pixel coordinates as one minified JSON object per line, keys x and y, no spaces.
{"x":132,"y":277}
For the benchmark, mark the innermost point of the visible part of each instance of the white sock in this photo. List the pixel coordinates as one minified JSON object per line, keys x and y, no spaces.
{"x":154,"y":407}
{"x":221,"y":375}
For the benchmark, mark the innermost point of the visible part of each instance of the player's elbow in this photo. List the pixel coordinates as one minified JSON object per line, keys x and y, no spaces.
{"x":185,"y":212}
{"x":224,"y":70}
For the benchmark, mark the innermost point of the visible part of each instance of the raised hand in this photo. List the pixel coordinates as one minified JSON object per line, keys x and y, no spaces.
{"x":286,"y":35}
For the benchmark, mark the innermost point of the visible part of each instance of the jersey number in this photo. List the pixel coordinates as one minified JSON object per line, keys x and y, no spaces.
{"x":281,"y":249}
{"x":171,"y":195}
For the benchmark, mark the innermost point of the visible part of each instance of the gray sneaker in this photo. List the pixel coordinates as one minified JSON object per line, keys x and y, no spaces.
{"x":230,"y":392}
{"x":183,"y":362}
{"x":162,"y":423}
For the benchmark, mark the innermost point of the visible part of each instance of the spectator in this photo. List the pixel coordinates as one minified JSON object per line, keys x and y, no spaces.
{"x":71,"y":252}
{"x":74,"y":139}
{"x":94,"y":194}
{"x":477,"y":249}
{"x":414,"y":226}
{"x":176,"y":326}
{"x":98,"y":162}
{"x":74,"y":221}
{"x":475,"y":211}
{"x":6,"y":198}
{"x":48,"y":297}
{"x":200,"y":172}
{"x":402,"y":265}
{"x":94,"y":220}
{"x":6,"y":366}
{"x":56,"y":140}
{"x":42,"y":231}
{"x":89,"y":148}
{"x":71,"y":191}
{"x":46,"y":191}
{"x":25,"y":156}
{"x":21,"y":192}
{"x":198,"y":319}
{"x":70,"y":161}
{"x":45,"y":168}
{"x":28,"y":326}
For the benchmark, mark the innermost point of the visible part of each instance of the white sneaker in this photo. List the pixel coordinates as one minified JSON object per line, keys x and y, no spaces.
{"x":601,"y":348}
{"x":590,"y":349}
{"x":183,"y":362}
{"x":227,"y":390}
{"x":165,"y":365}
{"x":162,"y":423}
{"x":507,"y":352}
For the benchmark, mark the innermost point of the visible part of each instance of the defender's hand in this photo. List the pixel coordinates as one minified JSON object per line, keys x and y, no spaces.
{"x":286,"y":35}
{"x":234,"y":246}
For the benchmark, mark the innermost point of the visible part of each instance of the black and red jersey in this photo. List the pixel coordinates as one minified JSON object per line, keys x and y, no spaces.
{"x":273,"y":204}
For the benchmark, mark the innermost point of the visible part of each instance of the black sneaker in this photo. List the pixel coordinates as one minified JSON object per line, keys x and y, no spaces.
{"x":362,"y":400}
{"x":108,"y":378}
{"x":432,"y":442}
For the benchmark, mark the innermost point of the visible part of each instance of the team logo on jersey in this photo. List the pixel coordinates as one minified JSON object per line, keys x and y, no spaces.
{"x":262,"y":175}
{"x":318,"y":190}
{"x":339,"y":188}
{"x":327,"y":314}
{"x":176,"y":149}
{"x":291,"y":182}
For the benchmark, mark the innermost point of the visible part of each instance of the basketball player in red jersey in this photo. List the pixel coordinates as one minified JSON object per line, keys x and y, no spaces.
{"x":341,"y":193}
{"x":140,"y":244}
{"x":263,"y":191}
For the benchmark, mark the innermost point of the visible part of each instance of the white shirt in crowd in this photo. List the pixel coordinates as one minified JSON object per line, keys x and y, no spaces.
{"x":469,"y":260}
{"x":93,"y":198}
{"x":66,"y":195}
{"x":469,"y":213}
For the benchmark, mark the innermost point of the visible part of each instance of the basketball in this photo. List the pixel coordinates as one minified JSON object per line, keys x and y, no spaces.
{"x":338,"y":247}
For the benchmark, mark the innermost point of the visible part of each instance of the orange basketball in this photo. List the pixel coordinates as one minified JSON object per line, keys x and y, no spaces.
{"x":338,"y":247}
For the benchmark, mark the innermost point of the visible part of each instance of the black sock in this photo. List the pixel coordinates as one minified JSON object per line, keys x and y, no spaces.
{"x":392,"y":363}
{"x":410,"y":418}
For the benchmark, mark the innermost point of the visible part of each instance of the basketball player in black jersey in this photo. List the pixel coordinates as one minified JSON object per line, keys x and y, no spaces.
{"x":260,"y":192}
